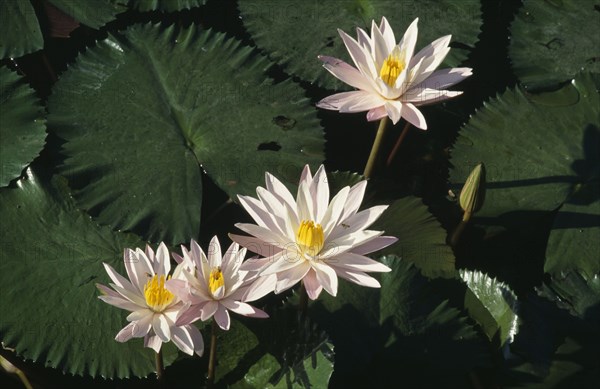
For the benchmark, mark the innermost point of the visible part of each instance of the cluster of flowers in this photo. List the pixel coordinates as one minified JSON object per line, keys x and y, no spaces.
{"x":308,"y":239}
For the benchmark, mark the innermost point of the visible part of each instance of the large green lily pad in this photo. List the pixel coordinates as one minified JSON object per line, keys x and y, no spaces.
{"x":535,"y":148}
{"x":19,"y":29}
{"x":143,"y":115}
{"x":51,"y":258}
{"x":294,"y":32}
{"x":165,"y":5}
{"x":94,"y":14}
{"x":22,"y":126}
{"x":553,"y":40}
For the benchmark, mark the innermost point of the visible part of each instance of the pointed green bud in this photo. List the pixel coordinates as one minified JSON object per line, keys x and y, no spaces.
{"x":472,"y":195}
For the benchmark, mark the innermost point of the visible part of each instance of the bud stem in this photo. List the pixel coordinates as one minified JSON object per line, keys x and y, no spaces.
{"x":210,"y":378}
{"x":375,"y":149}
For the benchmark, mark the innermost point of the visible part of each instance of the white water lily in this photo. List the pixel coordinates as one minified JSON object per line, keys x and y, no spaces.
{"x":391,"y":81}
{"x":310,"y":238}
{"x":153,"y":308}
{"x":215,"y":284}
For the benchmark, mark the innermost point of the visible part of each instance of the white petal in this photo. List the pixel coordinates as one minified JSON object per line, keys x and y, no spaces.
{"x":160,"y":325}
{"x":258,"y":212}
{"x":431,"y":56}
{"x":131,"y":295}
{"x":243,"y":309}
{"x":282,"y":261}
{"x":429,"y":50}
{"x":222,"y":318}
{"x":413,"y":116}
{"x":188,"y":339}
{"x":334,"y":211}
{"x":320,"y":191}
{"x":358,"y":221}
{"x":362,"y":59}
{"x":326,"y":277}
{"x":388,"y":34}
{"x":379,"y":49}
{"x":153,"y":341}
{"x":356,"y":262}
{"x":312,"y":286}
{"x":288,"y":278}
{"x":347,"y":243}
{"x":364,"y":39}
{"x":163,"y":263}
{"x":113,"y":298}
{"x":140,"y":314}
{"x":265,"y":235}
{"x":126,"y":333}
{"x":137,"y":266}
{"x":277,"y":188}
{"x":260,"y":287}
{"x":214,"y":253}
{"x":358,"y":277}
{"x":255,"y":245}
{"x":409,"y":40}
{"x":118,"y":279}
{"x":375,"y":244}
{"x":142,"y":327}
{"x":256,"y":265}
{"x":354,"y":199}
{"x":393,"y":109}
{"x":444,"y":78}
{"x":208,"y":310}
{"x":376,"y":113}
{"x":346,"y":73}
{"x":428,"y":96}
{"x":189,"y":315}
{"x":228,"y":264}
{"x":304,"y":202}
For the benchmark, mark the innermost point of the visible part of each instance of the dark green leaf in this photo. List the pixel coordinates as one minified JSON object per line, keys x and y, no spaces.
{"x":19,"y":29}
{"x":165,"y":5}
{"x":94,"y":14}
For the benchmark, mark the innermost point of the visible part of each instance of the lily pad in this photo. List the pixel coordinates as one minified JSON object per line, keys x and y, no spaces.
{"x":294,"y":32}
{"x":534,"y":149}
{"x":49,"y":301}
{"x":94,"y":14}
{"x":492,"y":304}
{"x":165,"y":5}
{"x":23,"y":129}
{"x":19,"y":29}
{"x":143,"y":115}
{"x":421,"y":238}
{"x":553,"y":40}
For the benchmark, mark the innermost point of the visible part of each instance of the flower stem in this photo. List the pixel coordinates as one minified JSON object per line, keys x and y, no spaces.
{"x":210,"y":378}
{"x":303,"y":301}
{"x":160,"y":368}
{"x":459,"y":229}
{"x":375,"y":149}
{"x":397,"y":145}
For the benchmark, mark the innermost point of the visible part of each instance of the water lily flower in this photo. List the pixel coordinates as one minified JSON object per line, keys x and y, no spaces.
{"x":310,"y":238}
{"x":391,"y":81}
{"x":216,"y":284}
{"x":153,"y":308}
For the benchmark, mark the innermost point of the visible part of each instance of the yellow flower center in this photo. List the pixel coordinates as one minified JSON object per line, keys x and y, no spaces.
{"x":310,"y":237}
{"x":391,"y":69}
{"x":215,"y":280}
{"x":157,"y":296}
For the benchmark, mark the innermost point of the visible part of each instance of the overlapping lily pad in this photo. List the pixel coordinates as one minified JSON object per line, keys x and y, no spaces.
{"x":492,"y":304}
{"x":23,"y":129}
{"x":294,"y":32}
{"x":143,"y":115}
{"x":553,"y":40}
{"x":94,"y":14}
{"x":535,"y":149}
{"x":165,"y":5}
{"x":51,"y":258}
{"x":19,"y":29}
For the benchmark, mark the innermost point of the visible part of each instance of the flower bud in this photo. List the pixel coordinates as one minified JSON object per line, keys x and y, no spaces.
{"x":472,"y":195}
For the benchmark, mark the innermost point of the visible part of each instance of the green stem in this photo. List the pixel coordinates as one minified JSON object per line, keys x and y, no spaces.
{"x":397,"y":145}
{"x":459,"y":229}
{"x":210,"y":378}
{"x":375,"y":149}
{"x":160,"y":367}
{"x":303,"y":301}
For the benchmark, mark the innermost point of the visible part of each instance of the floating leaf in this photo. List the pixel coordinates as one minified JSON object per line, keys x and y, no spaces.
{"x":23,"y":129}
{"x":144,"y":114}
{"x":492,"y":304}
{"x":19,"y":29}
{"x":51,"y":258}
{"x":553,"y":40}
{"x":165,"y":5}
{"x":535,"y":151}
{"x":421,"y":238}
{"x":294,"y":32}
{"x":94,"y":14}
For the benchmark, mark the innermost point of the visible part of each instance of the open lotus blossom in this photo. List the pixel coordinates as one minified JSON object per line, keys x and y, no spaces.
{"x":216,"y":284}
{"x":153,"y":308}
{"x":391,"y":81}
{"x":310,"y":238}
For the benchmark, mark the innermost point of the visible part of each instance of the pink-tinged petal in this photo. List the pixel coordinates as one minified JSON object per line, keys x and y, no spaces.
{"x":428,"y":96}
{"x":230,"y":259}
{"x":283,"y":261}
{"x":259,"y":288}
{"x":326,"y":277}
{"x":429,"y":63}
{"x":376,"y":113}
{"x":361,"y":102}
{"x":126,"y":333}
{"x":162,"y":260}
{"x":142,"y":327}
{"x":374,"y":245}
{"x":337,"y":101}
{"x":277,"y":188}
{"x":264,"y":234}
{"x":334,"y":211}
{"x":153,"y":341}
{"x":133,"y":296}
{"x":118,"y":279}
{"x":209,"y":310}
{"x":140,"y":314}
{"x":347,"y":243}
{"x":177,"y":258}
{"x":430,"y":50}
{"x":319,"y":189}
{"x":149,"y":253}
{"x":222,"y":318}
{"x":113,"y":298}
{"x":358,"y":277}
{"x":379,"y":49}
{"x":358,"y":221}
{"x":185,"y":341}
{"x":312,"y":286}
{"x":388,"y":34}
{"x":160,"y":325}
{"x":354,"y":199}
{"x":362,"y":59}
{"x":190,"y":315}
{"x":409,"y":40}
{"x":306,"y":175}
{"x":219,"y":293}
{"x":304,"y":202}
{"x":255,"y":245}
{"x":356,"y":262}
{"x":244,"y":309}
{"x":214,"y":253}
{"x":346,"y":73}
{"x":413,"y":116}
{"x":444,"y":78}
{"x":137,"y":266}
{"x":178,"y":287}
{"x":288,"y":278}
{"x":393,"y":109}
{"x":197,"y":255}
{"x":258,"y":212}
{"x":363,"y":39}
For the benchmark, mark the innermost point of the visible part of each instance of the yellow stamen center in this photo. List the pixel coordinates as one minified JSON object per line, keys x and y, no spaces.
{"x":391,"y":69}
{"x":215,"y":280}
{"x":310,"y":238}
{"x":157,"y":296}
